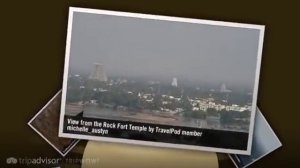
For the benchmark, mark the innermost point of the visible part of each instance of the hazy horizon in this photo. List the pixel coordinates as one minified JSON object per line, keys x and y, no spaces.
{"x":143,"y":48}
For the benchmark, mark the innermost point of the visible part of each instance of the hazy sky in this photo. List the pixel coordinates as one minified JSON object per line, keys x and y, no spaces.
{"x":138,"y":47}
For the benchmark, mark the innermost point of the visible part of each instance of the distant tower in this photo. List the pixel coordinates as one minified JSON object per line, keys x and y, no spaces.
{"x":174,"y":82}
{"x":223,"y":89}
{"x":98,"y":73}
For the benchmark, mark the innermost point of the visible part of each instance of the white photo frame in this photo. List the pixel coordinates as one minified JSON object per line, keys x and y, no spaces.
{"x":259,"y":47}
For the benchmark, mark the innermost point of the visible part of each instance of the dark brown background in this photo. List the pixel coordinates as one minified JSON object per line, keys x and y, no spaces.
{"x":32,"y":56}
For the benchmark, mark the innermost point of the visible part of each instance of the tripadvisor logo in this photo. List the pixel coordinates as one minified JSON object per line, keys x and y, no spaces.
{"x":11,"y":160}
{"x":33,"y":161}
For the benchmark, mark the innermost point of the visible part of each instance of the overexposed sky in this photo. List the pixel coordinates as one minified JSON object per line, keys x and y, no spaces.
{"x":161,"y":50}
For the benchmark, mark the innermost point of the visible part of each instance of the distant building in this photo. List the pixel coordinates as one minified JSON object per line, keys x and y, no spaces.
{"x":174,"y":82}
{"x":98,"y":73}
{"x":223,"y":89}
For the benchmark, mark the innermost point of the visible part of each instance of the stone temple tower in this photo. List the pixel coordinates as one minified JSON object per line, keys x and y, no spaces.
{"x":174,"y":82}
{"x":98,"y":73}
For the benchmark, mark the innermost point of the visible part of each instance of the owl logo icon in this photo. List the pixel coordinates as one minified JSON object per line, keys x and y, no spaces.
{"x":11,"y":160}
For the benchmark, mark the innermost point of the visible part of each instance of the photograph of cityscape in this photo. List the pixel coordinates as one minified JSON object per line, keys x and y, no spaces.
{"x":157,"y":70}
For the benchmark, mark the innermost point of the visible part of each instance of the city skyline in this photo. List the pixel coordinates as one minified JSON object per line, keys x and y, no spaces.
{"x":155,"y":102}
{"x":220,"y":85}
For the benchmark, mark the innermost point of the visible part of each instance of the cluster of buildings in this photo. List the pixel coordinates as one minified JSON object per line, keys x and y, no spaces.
{"x":198,"y":104}
{"x":206,"y":103}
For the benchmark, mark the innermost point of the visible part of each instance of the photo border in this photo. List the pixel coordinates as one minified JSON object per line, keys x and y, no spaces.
{"x":29,"y":123}
{"x":261,"y":29}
